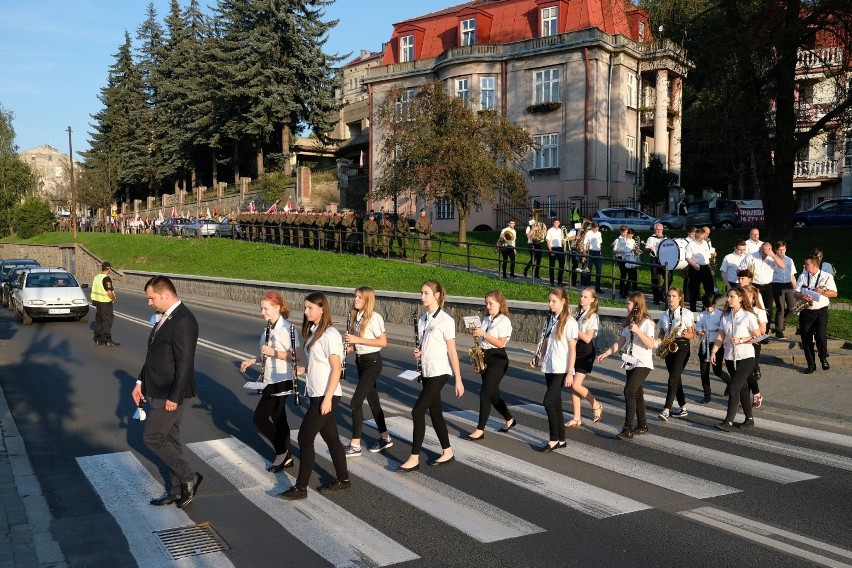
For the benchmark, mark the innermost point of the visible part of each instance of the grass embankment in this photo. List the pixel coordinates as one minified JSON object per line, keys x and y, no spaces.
{"x":254,"y":261}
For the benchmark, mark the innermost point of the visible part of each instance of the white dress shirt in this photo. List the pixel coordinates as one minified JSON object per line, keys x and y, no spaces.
{"x":555,"y":358}
{"x":808,"y":283}
{"x":500,"y":326}
{"x":319,"y":350}
{"x":375,"y":328}
{"x":435,"y":330}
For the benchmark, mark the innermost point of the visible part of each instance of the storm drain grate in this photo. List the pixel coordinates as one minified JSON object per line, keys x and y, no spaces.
{"x":191,"y":540}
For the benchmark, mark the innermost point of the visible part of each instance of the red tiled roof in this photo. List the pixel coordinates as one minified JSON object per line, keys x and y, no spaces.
{"x":364,"y":59}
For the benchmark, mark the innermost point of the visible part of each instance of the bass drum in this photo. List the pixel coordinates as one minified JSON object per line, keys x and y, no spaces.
{"x":672,"y":253}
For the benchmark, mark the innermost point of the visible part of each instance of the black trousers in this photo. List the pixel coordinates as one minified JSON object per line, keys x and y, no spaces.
{"x":429,"y":399}
{"x":755,"y":373}
{"x":784,"y":302}
{"x":553,"y":405}
{"x":326,"y":426}
{"x":766,"y":295}
{"x":162,"y":437}
{"x":596,"y":261}
{"x":622,"y":274}
{"x":270,"y":417}
{"x":575,"y":262}
{"x":814,"y":324}
{"x":369,"y":368}
{"x":658,"y":281}
{"x":698,"y":278}
{"x":634,"y":396}
{"x":705,"y":367}
{"x":535,"y":259}
{"x":508,"y":255}
{"x":631,"y":281}
{"x":738,"y":394}
{"x":103,"y":321}
{"x":676,"y":363}
{"x":556,"y":256}
{"x":497,"y":364}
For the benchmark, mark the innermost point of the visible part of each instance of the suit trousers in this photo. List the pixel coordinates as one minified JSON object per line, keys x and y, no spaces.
{"x":326,"y":426}
{"x":699,"y":278}
{"x":556,"y":256}
{"x":535,"y":259}
{"x":813,"y":324}
{"x":508,"y":255}
{"x":162,"y":437}
{"x":369,"y":368}
{"x":784,"y":302}
{"x":103,"y":321}
{"x":429,"y":399}
{"x":553,"y":406}
{"x":270,"y":417}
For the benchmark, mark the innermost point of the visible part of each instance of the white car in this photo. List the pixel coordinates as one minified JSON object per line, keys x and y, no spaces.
{"x":49,"y":293}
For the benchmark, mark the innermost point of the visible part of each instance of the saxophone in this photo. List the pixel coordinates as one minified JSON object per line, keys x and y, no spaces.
{"x":667,"y":344}
{"x":477,"y":354}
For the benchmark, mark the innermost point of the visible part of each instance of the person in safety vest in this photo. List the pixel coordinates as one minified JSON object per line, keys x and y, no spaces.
{"x":103,"y":296}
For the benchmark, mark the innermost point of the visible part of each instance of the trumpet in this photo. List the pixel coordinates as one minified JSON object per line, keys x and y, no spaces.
{"x":477,"y":354}
{"x":802,"y":304}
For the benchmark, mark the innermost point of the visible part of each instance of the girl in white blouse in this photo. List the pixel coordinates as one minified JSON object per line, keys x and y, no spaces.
{"x":588,"y":324}
{"x":637,"y":333}
{"x":676,"y":315}
{"x":367,"y":338}
{"x":763,"y":323}
{"x":557,"y":363}
{"x":493,"y":336}
{"x":324,"y":352}
{"x":736,"y":329}
{"x":439,"y":361}
{"x":270,"y":415}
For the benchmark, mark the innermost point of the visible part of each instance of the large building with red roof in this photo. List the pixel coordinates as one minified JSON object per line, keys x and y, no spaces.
{"x":596,"y":89}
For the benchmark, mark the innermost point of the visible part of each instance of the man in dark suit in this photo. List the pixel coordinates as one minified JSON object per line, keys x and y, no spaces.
{"x":166,"y":379}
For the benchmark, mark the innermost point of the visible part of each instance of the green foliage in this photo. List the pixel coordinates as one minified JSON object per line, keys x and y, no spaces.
{"x":275,"y":186}
{"x":656,"y":187}
{"x":32,"y":217}
{"x":7,"y":133}
{"x":16,"y":180}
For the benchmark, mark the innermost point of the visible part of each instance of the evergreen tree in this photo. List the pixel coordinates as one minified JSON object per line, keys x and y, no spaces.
{"x":7,"y":133}
{"x":148,"y":118}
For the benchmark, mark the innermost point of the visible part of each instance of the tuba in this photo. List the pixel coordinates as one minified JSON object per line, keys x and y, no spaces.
{"x":667,"y":344}
{"x":505,"y":238}
{"x":477,"y":354}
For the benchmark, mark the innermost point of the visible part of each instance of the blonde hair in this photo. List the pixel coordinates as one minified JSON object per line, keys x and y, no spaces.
{"x":369,"y":296}
{"x":564,"y":314}
{"x":593,"y":307}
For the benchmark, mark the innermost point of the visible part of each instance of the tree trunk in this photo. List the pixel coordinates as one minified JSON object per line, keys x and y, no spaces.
{"x":464,"y":215}
{"x":214,"y":174}
{"x":286,"y":142}
{"x":259,"y":157}
{"x":236,"y":163}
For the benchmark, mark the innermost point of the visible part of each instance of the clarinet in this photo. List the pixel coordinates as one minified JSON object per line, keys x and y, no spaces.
{"x":293,"y":370}
{"x":537,"y":357}
{"x":417,"y":345}
{"x":345,"y":346}
{"x":262,"y":354}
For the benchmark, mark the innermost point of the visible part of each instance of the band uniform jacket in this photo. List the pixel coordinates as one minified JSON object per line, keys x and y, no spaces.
{"x":169,"y":370}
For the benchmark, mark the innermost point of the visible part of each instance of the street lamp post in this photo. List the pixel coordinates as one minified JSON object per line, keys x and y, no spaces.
{"x":73,"y":190}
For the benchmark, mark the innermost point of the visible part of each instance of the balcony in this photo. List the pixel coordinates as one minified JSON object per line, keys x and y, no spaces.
{"x":812,"y":112}
{"x":808,"y":59}
{"x":819,"y":169}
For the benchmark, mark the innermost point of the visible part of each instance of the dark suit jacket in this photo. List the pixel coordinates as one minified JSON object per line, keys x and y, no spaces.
{"x":169,"y":370}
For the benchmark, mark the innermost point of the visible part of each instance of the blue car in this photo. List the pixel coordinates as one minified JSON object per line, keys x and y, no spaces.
{"x":829,"y":213}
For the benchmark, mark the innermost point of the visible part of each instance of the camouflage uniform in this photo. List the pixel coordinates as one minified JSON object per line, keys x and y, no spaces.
{"x":321,"y":223}
{"x":424,"y":234}
{"x":371,"y":235}
{"x":387,"y":237}
{"x":402,"y":235}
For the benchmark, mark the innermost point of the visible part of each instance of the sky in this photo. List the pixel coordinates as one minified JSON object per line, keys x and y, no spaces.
{"x":55,"y":55}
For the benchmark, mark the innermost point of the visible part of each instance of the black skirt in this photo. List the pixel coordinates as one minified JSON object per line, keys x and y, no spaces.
{"x":586,"y":354}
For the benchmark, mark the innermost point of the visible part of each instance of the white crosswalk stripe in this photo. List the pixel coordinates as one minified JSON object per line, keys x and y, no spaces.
{"x":320,"y":524}
{"x":578,"y":495}
{"x":732,"y":462}
{"x":676,"y":481}
{"x":474,"y":517}
{"x":125,"y":487}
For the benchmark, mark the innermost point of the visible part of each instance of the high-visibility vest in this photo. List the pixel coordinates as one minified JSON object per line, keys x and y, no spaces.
{"x":99,"y":293}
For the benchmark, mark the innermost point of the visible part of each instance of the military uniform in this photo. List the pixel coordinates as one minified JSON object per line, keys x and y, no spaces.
{"x":321,"y":223}
{"x":371,"y":235}
{"x":424,"y":236}
{"x":387,"y":237}
{"x":402,"y":235}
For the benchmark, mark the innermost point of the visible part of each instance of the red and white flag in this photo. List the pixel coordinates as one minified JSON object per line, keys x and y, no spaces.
{"x":272,"y":209}
{"x":287,"y":207}
{"x":361,"y":160}
{"x":174,"y":212}
{"x":251,"y":207}
{"x":208,"y":213}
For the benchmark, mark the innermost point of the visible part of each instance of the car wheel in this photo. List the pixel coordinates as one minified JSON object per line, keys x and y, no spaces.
{"x":604,"y":228}
{"x":799,"y":224}
{"x":25,"y":317}
{"x":725,"y":225}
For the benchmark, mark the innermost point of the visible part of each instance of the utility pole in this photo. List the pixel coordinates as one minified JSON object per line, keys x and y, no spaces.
{"x":73,"y":189}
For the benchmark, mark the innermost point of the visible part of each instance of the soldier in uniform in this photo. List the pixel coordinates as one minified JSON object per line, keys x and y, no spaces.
{"x":371,"y":234}
{"x":311,"y":225}
{"x":387,"y":236}
{"x":335,"y":221}
{"x":402,"y":235}
{"x":301,"y":227}
{"x":290,"y":227}
{"x":321,"y":223}
{"x":349,"y":226}
{"x":424,"y":235}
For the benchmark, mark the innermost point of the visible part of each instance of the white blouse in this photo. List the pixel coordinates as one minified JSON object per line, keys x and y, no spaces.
{"x":709,"y":321}
{"x":329,"y":343}
{"x":741,"y":324}
{"x":669,"y":319}
{"x":589,"y":323}
{"x":499,"y":327}
{"x":555,"y":358}
{"x":375,"y":328}
{"x":277,"y":370}
{"x":638,"y":350}
{"x":435,"y":332}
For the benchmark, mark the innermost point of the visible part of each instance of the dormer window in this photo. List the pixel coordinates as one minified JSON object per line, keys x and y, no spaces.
{"x":406,"y":48}
{"x":549,"y":21}
{"x":468,"y":32}
{"x":641,"y":31}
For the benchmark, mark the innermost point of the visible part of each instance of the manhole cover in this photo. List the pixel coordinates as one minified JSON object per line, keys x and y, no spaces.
{"x":191,"y":540}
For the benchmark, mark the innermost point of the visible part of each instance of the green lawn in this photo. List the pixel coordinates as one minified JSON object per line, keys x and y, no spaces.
{"x":254,"y":261}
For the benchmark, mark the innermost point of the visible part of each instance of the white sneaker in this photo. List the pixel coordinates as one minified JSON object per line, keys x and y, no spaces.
{"x":352,"y":451}
{"x":664,"y":415}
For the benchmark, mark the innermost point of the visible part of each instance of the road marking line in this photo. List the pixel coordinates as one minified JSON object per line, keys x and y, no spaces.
{"x":666,"y":478}
{"x":125,"y":487}
{"x":586,"y":498}
{"x":685,"y":450}
{"x":761,"y":533}
{"x":320,"y":524}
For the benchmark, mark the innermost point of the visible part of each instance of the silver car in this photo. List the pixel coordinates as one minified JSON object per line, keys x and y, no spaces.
{"x":612,"y":218}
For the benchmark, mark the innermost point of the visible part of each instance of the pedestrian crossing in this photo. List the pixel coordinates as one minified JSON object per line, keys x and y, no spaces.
{"x":324,"y":526}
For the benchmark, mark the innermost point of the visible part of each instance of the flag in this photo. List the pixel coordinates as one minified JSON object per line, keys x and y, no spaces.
{"x":174,"y":212}
{"x":251,"y":206}
{"x":271,"y":209}
{"x":215,"y":213}
{"x":287,"y":207}
{"x":361,"y":160}
{"x":208,"y":213}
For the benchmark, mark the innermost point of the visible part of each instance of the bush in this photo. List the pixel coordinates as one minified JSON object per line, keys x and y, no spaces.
{"x":275,"y":186}
{"x":32,"y":217}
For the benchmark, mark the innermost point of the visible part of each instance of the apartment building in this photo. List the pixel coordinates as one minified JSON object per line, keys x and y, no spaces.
{"x":51,"y":168}
{"x":588,"y":79}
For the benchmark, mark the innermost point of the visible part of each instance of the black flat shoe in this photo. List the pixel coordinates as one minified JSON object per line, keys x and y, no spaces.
{"x":437,"y":463}
{"x":562,"y":444}
{"x":509,"y":427}
{"x":401,"y":469}
{"x":549,"y":448}
{"x":809,"y":370}
{"x":825,"y":365}
{"x":478,"y":438}
{"x":725,"y":426}
{"x":167,"y":499}
{"x":288,"y":463}
{"x":294,"y":493}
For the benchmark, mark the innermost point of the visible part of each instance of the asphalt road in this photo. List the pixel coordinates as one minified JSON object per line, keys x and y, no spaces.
{"x":685,"y":495}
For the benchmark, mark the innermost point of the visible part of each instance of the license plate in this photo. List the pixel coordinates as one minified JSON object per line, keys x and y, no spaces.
{"x":57,"y":311}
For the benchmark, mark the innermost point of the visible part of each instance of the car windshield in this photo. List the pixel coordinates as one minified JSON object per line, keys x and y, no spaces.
{"x":51,"y":280}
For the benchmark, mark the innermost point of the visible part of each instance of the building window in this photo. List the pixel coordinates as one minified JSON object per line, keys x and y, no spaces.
{"x":646,"y":157}
{"x":468,"y":32}
{"x":551,"y":207}
{"x":549,"y":18}
{"x":406,"y":48}
{"x":403,"y":105}
{"x":546,"y":86}
{"x":57,"y":171}
{"x":631,"y":154}
{"x":632,"y":91}
{"x":462,"y":90}
{"x":486,"y":93}
{"x":535,"y":202}
{"x":546,"y":151}
{"x":445,"y":208}
{"x":641,"y":31}
{"x":847,"y":158}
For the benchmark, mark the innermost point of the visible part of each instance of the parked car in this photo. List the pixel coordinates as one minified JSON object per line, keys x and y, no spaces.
{"x":209,"y":228}
{"x":12,"y":277}
{"x":612,"y":218}
{"x":49,"y":293}
{"x":831,"y":212}
{"x":6,"y":267}
{"x":698,"y":215}
{"x":172,"y":227}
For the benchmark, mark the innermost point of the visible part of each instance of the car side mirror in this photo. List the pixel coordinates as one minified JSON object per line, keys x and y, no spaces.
{"x":84,"y":285}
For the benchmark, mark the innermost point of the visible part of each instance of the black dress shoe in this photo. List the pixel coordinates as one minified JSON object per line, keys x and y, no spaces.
{"x":287,"y":463}
{"x":747,"y":423}
{"x":509,"y":427}
{"x":437,"y":463}
{"x":166,"y":499}
{"x":111,"y":343}
{"x":707,"y":398}
{"x":809,"y":370}
{"x":549,"y":448}
{"x":336,"y":485}
{"x":401,"y":469}
{"x":625,"y":434}
{"x":188,"y":491}
{"x":294,"y":493}
{"x":825,"y":365}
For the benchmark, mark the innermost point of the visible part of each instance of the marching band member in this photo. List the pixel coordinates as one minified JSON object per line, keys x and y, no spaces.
{"x":763,"y":325}
{"x":690,"y":238}
{"x":698,"y":256}
{"x":632,"y":281}
{"x":819,"y":286}
{"x":588,"y":324}
{"x":707,"y":327}
{"x":737,"y":328}
{"x":556,"y":255}
{"x":440,"y":361}
{"x":270,"y":414}
{"x":592,"y":242}
{"x":507,"y":249}
{"x":557,"y":363}
{"x":763,"y":265}
{"x":324,"y":353}
{"x":493,"y":334}
{"x":736,"y":260}
{"x":823,"y":265}
{"x":783,"y":279}
{"x":536,"y":232}
{"x":367,"y":339}
{"x":619,"y":249}
{"x":676,"y":361}
{"x":753,"y":243}
{"x":657,"y":269}
{"x":638,"y":334}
